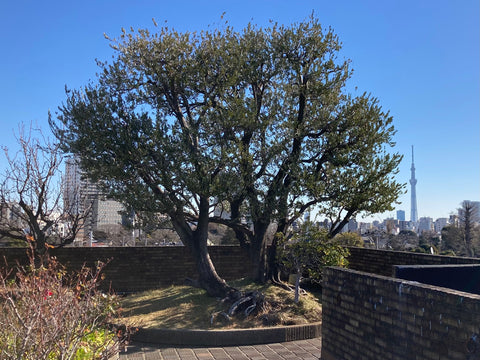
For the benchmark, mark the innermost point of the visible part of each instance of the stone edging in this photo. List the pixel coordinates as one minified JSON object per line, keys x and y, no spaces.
{"x":232,"y":337}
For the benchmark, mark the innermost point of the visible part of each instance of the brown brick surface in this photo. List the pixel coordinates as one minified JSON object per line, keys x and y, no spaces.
{"x":368,"y":316}
{"x":141,"y":268}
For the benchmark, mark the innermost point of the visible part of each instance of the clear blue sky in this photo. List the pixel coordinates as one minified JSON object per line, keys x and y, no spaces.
{"x":421,"y":58}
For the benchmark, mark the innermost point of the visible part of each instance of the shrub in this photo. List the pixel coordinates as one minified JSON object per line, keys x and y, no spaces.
{"x":349,"y":239}
{"x":45,"y":313}
{"x":308,"y":251}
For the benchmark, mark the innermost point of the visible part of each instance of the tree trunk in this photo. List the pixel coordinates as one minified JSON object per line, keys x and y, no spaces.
{"x":208,"y":278}
{"x":235,"y":214}
{"x":259,"y":261}
{"x":196,"y":241}
{"x":273,"y":270}
{"x":258,"y":252}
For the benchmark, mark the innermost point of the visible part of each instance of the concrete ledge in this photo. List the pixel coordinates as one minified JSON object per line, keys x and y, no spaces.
{"x":232,"y":337}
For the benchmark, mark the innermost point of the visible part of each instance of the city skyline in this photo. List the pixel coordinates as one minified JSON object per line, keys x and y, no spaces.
{"x":419,"y":58}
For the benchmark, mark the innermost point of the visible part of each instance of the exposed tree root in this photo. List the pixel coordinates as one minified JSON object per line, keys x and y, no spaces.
{"x":220,"y":317}
{"x":240,"y":305}
{"x":282,"y":284}
{"x":248,"y":303}
{"x":287,"y":286}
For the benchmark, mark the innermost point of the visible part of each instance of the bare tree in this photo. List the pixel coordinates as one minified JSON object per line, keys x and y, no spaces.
{"x":31,"y":206}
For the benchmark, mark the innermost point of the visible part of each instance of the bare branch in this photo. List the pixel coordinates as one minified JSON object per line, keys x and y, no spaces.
{"x":31,"y":194}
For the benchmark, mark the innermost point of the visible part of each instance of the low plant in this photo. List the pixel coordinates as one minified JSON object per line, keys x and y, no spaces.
{"x":48,"y":313}
{"x":307,"y":252}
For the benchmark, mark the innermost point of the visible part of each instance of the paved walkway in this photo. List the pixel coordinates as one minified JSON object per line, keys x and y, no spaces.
{"x":301,"y":349}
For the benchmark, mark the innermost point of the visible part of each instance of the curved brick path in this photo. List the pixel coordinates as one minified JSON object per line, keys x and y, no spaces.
{"x":302,"y":349}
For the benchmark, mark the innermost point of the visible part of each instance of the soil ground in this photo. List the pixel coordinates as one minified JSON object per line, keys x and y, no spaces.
{"x":185,"y":307}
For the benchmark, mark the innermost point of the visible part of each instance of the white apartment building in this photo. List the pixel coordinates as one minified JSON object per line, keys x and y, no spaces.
{"x":425,"y":224}
{"x":78,"y":191}
{"x":107,"y":211}
{"x":364,"y":227}
{"x":439,"y":224}
{"x":80,"y":194}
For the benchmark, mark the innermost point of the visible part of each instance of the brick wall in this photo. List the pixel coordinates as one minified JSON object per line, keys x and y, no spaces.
{"x":382,"y":261}
{"x":368,"y":316}
{"x":141,"y":268}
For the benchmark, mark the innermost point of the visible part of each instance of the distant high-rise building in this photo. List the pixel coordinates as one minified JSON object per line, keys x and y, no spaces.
{"x":425,"y":224}
{"x":413,"y":191}
{"x":107,"y":212}
{"x":80,"y":194}
{"x":401,"y":215}
{"x":391,"y":226}
{"x":364,"y":227}
{"x":77,"y":189}
{"x":476,"y":204}
{"x":440,"y":223}
{"x":453,"y":220}
{"x":403,"y":225}
{"x":352,"y":225}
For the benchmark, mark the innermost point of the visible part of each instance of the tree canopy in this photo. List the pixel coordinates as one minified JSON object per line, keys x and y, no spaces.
{"x":257,"y":120}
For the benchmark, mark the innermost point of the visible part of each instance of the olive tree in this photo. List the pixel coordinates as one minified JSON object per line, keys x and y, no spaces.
{"x":181,"y":123}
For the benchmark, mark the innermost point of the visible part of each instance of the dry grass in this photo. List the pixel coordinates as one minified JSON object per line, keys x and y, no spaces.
{"x":185,"y":307}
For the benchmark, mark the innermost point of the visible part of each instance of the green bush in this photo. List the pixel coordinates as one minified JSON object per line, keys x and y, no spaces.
{"x":349,"y":239}
{"x":308,"y":252}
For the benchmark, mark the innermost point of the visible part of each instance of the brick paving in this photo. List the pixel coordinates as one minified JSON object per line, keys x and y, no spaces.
{"x":302,"y":349}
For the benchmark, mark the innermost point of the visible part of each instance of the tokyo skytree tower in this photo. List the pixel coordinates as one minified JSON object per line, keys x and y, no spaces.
{"x":413,"y":191}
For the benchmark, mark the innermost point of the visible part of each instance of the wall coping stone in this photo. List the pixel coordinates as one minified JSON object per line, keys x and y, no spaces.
{"x":412,"y":283}
{"x":232,"y":337}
